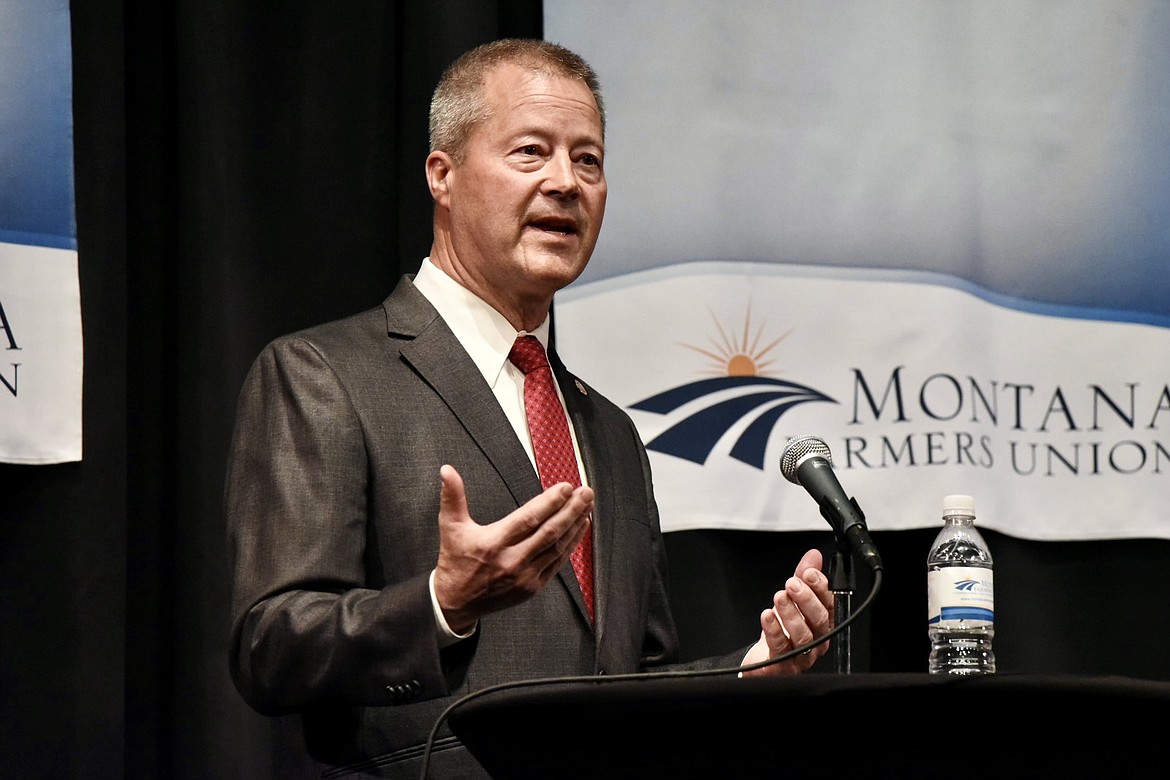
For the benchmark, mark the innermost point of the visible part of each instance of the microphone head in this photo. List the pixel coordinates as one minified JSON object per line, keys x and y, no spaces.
{"x":799,"y":448}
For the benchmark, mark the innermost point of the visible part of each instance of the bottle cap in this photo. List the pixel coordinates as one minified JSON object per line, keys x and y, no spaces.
{"x":959,"y":505}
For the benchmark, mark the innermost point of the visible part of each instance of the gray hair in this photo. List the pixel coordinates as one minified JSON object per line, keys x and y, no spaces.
{"x":458,"y":104}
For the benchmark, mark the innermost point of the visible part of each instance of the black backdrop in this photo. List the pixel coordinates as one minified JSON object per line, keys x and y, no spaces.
{"x":246,"y":169}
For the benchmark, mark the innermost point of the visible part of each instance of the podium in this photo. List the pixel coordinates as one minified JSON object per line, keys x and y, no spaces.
{"x":821,"y":726}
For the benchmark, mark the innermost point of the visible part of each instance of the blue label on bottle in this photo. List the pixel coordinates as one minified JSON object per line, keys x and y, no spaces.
{"x":967,"y":613}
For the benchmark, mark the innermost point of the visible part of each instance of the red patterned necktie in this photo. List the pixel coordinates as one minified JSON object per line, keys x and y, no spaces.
{"x":552,"y":443}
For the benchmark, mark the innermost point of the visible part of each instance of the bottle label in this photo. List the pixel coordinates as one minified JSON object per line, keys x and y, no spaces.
{"x":965,"y":593}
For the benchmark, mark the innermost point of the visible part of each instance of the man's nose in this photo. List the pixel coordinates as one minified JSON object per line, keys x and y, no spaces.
{"x":561,"y":177}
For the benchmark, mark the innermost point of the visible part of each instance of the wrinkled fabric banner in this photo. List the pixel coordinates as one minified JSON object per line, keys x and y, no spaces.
{"x":40,"y":301}
{"x":932,"y":234}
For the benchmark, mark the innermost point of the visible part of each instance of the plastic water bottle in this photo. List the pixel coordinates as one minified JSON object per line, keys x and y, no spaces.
{"x":960,"y":594}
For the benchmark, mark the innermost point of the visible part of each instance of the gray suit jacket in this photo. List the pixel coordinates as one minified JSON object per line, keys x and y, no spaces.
{"x":331,"y":497}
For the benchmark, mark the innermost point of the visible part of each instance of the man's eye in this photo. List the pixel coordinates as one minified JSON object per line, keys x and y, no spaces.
{"x":589,"y":159}
{"x":531,"y":149}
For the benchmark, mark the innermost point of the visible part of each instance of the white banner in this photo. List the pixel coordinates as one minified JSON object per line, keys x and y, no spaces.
{"x":40,"y":300}
{"x":932,"y":234}
{"x":40,"y":355}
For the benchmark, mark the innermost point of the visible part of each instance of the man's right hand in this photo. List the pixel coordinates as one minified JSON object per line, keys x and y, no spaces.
{"x":486,"y":568}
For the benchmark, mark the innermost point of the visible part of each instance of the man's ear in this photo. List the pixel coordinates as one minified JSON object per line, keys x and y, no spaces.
{"x":439,"y":169}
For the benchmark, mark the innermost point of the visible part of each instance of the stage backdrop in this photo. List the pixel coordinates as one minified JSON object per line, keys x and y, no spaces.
{"x":40,"y":302}
{"x":933,"y":234}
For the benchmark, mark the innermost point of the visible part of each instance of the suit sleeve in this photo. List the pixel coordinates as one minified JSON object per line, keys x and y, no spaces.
{"x":307,"y":627}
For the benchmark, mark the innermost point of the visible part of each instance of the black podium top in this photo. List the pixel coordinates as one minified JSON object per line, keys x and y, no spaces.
{"x":821,"y":726}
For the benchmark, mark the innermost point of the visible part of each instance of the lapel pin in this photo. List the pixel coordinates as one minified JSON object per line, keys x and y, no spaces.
{"x":580,"y":387}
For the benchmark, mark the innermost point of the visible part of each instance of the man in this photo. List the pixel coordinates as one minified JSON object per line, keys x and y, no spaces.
{"x":393,"y":548}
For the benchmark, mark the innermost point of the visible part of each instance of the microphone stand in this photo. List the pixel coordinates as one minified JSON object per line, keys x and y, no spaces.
{"x":841,"y":583}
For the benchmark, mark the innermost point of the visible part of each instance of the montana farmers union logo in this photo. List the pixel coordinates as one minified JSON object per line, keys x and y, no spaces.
{"x":912,"y":416}
{"x":739,"y":389}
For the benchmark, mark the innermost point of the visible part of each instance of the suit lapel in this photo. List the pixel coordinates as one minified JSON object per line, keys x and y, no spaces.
{"x":591,"y":440}
{"x":429,"y":346}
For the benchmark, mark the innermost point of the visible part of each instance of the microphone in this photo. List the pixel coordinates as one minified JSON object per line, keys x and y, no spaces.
{"x":806,"y":461}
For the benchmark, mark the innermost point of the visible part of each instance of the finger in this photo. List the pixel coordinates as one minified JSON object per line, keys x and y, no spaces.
{"x":452,"y":495}
{"x":809,"y":570}
{"x":561,"y":511}
{"x":797,"y":635}
{"x":531,"y":517}
{"x":553,"y":558}
{"x":773,"y":632}
{"x":553,"y":542}
{"x":792,"y":620}
{"x":811,"y":560}
{"x":819,"y":584}
{"x":814,"y":601}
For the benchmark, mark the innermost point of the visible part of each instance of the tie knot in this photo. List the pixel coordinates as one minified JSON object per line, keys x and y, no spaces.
{"x":527,"y":354}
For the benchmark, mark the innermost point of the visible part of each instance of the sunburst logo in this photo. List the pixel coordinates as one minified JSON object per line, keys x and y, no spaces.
{"x":741,"y":368}
{"x":737,"y":357}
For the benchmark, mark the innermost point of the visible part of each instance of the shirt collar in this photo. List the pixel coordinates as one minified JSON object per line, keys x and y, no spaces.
{"x":484,"y":332}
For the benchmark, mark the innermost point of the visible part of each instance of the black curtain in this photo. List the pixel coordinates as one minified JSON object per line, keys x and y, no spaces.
{"x":247,"y":169}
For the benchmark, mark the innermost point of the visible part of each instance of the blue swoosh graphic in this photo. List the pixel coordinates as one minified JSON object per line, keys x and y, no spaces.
{"x":694,"y":437}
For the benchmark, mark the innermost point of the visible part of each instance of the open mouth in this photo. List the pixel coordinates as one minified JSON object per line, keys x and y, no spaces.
{"x":563,"y":227}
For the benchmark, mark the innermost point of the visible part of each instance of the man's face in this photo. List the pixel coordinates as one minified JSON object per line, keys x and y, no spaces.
{"x":526,"y":202}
